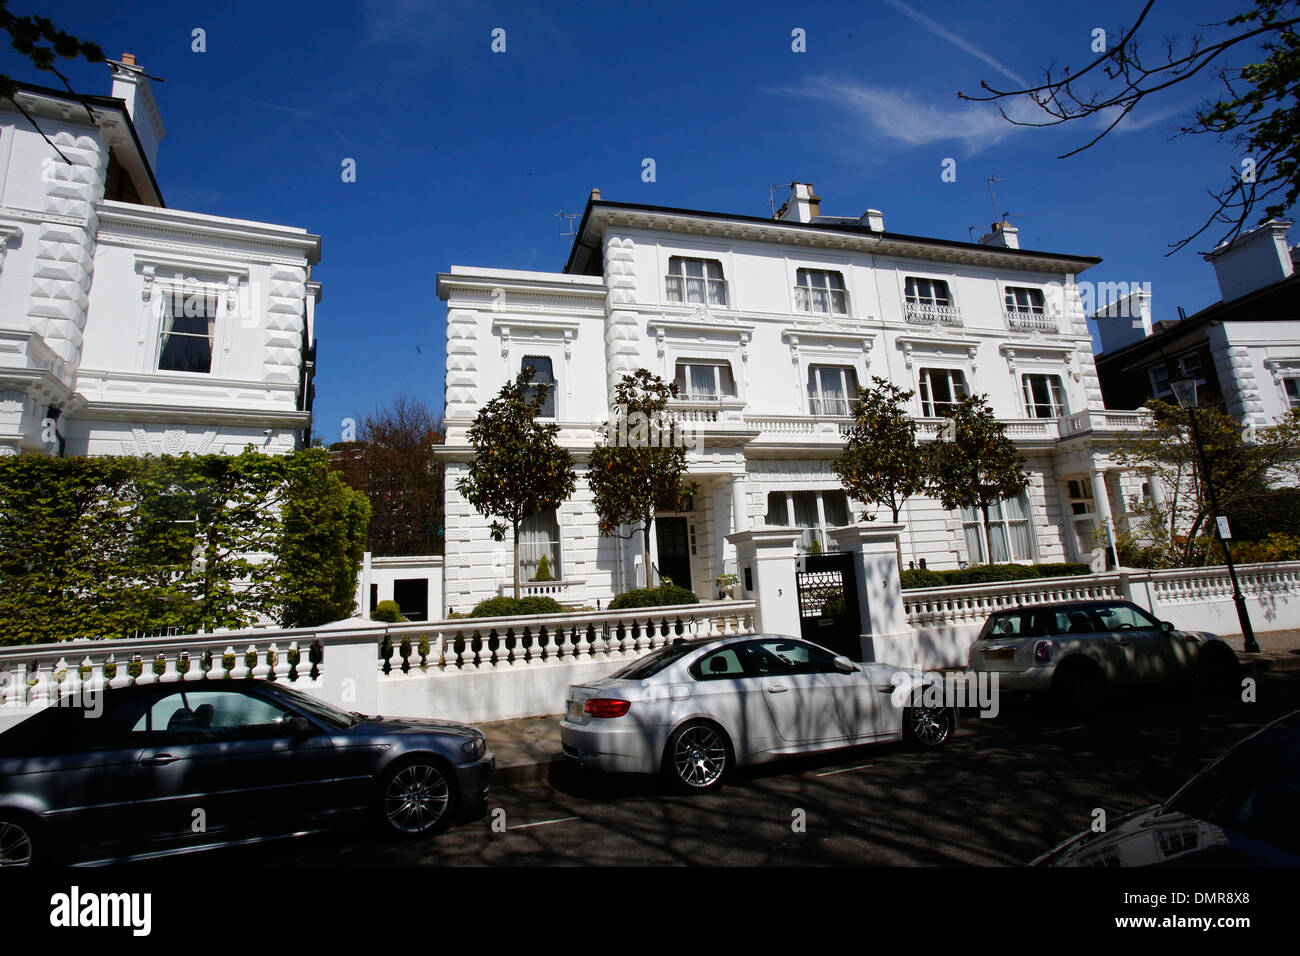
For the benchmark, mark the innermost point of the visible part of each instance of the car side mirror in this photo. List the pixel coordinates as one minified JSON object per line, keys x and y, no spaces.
{"x":300,"y":726}
{"x":844,"y":665}
{"x":1166,"y":626}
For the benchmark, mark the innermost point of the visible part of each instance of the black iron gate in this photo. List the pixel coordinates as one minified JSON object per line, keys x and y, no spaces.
{"x":828,"y":604}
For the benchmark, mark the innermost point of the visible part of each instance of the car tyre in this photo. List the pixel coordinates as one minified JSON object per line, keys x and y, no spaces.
{"x":1079,"y":688}
{"x":928,"y":728}
{"x":1219,"y":670}
{"x":698,"y":757}
{"x":415,"y":797}
{"x":22,"y":841}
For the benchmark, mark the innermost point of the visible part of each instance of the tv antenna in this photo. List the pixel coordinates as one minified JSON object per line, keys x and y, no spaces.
{"x":771,"y":195}
{"x":568,"y":218}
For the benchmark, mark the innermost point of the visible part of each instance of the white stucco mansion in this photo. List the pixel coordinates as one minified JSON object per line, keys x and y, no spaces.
{"x":127,"y":327}
{"x":769,"y":325}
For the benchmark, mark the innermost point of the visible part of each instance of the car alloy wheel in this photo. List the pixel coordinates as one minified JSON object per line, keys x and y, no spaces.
{"x":929,"y":726}
{"x":416,"y":798}
{"x":16,"y":844}
{"x":699,"y":757}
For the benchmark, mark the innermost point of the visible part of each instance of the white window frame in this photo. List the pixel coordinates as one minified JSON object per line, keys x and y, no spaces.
{"x":930,"y":299}
{"x":925,"y":391}
{"x":816,"y":404}
{"x":719,"y":395}
{"x":1058,"y":404}
{"x":1156,"y":390}
{"x":998,"y":516}
{"x":709,"y":283}
{"x":805,"y":292}
{"x":1011,"y":300}
{"x":554,"y":546}
{"x":554,"y":393}
{"x":167,"y":292}
{"x":808,"y":533}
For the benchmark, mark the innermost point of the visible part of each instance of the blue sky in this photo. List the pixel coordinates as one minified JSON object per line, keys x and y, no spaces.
{"x":464,"y":156}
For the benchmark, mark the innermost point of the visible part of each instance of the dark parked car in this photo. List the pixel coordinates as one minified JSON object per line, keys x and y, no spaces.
{"x":1242,"y":810}
{"x":185,"y":766}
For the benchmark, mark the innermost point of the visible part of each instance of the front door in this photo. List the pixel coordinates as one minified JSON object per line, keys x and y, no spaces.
{"x":674,"y":551}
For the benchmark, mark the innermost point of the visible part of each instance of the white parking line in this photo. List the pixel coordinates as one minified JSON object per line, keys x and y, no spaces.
{"x":541,"y":823}
{"x":828,"y":773}
{"x":1063,"y":730}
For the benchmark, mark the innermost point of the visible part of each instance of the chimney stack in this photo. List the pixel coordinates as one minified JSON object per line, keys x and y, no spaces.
{"x":1001,"y":234}
{"x":595,"y":196}
{"x":1253,"y":260}
{"x":801,"y":205}
{"x":873,"y":219}
{"x":132,"y":86}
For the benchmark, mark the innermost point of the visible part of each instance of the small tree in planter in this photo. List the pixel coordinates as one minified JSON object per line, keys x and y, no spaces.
{"x":543,"y":570}
{"x":974,"y":463}
{"x":518,"y":469}
{"x":881,"y":461}
{"x":638,"y":467}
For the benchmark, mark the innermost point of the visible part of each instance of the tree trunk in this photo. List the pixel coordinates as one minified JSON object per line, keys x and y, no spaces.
{"x":516,"y":545}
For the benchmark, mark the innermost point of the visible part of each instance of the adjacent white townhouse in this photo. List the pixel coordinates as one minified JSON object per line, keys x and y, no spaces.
{"x":768,"y":326}
{"x":127,"y":327}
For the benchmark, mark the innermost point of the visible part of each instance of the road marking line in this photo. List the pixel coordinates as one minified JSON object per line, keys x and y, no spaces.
{"x":828,"y":773}
{"x":1063,"y":730}
{"x":541,"y":823}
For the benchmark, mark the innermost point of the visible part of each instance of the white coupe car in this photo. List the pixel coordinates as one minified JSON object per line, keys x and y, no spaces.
{"x":695,"y":709}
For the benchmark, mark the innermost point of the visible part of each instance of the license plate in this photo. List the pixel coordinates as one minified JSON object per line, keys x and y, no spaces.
{"x":575,"y":711}
{"x":1000,"y":653}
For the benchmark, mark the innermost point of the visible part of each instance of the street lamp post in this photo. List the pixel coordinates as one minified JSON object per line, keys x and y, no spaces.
{"x":1185,"y":392}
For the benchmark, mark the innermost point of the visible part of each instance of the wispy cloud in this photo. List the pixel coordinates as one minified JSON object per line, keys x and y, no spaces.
{"x":959,"y":42}
{"x":916,"y":119}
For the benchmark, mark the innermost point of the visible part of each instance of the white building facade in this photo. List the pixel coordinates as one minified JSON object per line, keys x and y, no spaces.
{"x":127,"y":327}
{"x":768,"y":326}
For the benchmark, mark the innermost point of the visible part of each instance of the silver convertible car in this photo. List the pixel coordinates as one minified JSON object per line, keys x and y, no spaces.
{"x":695,"y":709}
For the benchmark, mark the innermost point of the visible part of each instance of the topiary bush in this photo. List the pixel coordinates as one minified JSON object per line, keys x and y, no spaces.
{"x":661,"y":596}
{"x":388,"y":612}
{"x":920,"y":578}
{"x":516,"y":607}
{"x":543,"y":570}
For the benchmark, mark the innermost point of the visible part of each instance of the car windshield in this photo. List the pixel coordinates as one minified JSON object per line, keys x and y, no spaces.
{"x":317,"y":708}
{"x":654,"y":662}
{"x":1254,"y":789}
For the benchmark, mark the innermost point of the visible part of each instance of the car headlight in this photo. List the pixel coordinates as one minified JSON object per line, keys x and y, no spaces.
{"x":475,"y":747}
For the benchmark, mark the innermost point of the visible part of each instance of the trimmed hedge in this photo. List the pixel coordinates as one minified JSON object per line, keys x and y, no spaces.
{"x":388,"y":612}
{"x":987,"y":573}
{"x":661,"y":596}
{"x":1266,"y":512}
{"x":516,"y":607}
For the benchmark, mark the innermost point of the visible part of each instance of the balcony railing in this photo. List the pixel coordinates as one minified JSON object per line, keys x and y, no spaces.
{"x":925,"y":313}
{"x":1027,"y":320}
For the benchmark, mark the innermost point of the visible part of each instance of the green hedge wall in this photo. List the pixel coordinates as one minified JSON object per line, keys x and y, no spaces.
{"x":983,"y":573}
{"x":660,"y":596}
{"x":105,"y":547}
{"x":513,"y":607}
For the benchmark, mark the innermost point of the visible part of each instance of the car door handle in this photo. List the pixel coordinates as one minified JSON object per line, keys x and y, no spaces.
{"x":159,"y":760}
{"x":777,"y":689}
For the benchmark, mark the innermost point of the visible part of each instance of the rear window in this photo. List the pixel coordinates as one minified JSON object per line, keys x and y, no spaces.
{"x":655,"y":661}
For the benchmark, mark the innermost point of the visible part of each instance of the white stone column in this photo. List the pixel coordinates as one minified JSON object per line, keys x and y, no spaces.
{"x":885,"y":634}
{"x":739,"y":504}
{"x":1101,"y":498}
{"x":765,"y":564}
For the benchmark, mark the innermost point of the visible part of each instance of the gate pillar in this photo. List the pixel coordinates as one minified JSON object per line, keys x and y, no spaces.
{"x":874,"y":548}
{"x":765,"y":564}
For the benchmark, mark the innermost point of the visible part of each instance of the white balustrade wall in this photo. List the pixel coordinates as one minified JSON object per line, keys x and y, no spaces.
{"x":472,"y":669}
{"x":945,"y":620}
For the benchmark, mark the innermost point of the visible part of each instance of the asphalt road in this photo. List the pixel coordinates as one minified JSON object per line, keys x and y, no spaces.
{"x":1002,"y":791}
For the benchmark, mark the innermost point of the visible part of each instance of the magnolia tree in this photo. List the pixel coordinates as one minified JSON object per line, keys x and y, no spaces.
{"x":882,"y":462}
{"x":1171,"y":527}
{"x":973,"y":464}
{"x":639,"y":465}
{"x":519,"y":469}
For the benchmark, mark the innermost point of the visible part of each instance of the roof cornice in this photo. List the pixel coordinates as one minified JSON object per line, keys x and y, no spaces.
{"x":601,"y":215}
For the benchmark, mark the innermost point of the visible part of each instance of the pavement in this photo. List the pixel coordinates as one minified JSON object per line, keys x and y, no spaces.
{"x":527,"y":748}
